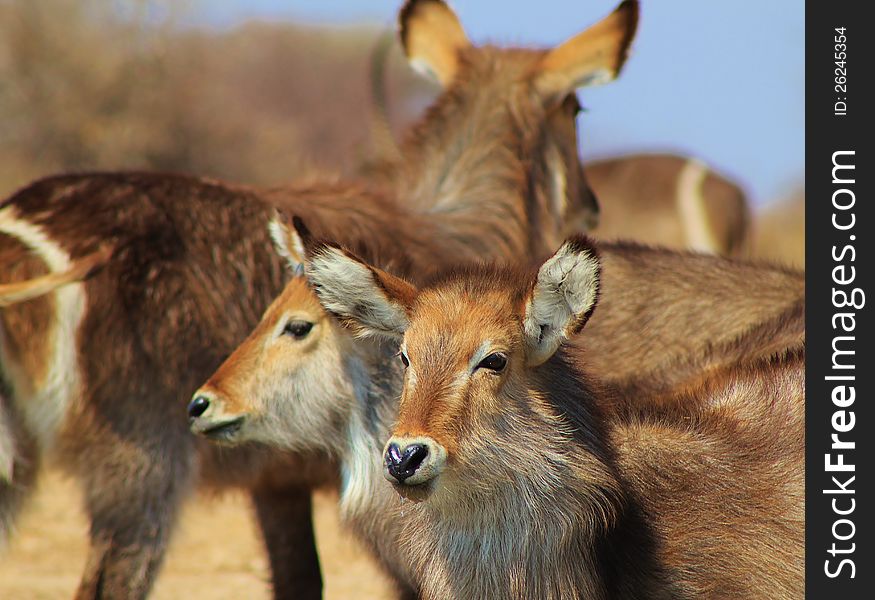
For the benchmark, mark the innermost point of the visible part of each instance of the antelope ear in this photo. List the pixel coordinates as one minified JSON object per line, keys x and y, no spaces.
{"x":287,"y":242}
{"x":562,"y":299}
{"x":592,"y":57}
{"x":366,"y":299}
{"x":432,"y":36}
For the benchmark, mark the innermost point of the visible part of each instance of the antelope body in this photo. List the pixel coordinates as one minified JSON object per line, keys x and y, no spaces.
{"x":670,"y":201}
{"x":667,"y":318}
{"x":527,"y":485}
{"x":98,"y":369}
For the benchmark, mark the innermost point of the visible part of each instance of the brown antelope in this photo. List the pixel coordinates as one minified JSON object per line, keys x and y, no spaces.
{"x":525,"y":487}
{"x":98,"y":369}
{"x":662,"y":199}
{"x":658,"y":325}
{"x":670,"y":201}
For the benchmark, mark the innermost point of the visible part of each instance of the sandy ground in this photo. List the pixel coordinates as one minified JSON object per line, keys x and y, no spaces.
{"x":47,"y":554}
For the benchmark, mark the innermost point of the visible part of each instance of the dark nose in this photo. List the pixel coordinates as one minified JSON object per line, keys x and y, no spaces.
{"x":198,"y":406}
{"x":403,"y":464}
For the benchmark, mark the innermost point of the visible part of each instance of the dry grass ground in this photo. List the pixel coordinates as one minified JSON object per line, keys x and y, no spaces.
{"x":215,"y":555}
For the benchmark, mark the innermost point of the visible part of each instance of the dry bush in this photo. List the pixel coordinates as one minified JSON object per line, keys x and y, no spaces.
{"x":779,"y":231}
{"x":85,"y":84}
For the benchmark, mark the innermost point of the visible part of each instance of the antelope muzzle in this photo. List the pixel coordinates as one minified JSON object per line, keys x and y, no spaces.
{"x":411,"y":462}
{"x":207,"y":417}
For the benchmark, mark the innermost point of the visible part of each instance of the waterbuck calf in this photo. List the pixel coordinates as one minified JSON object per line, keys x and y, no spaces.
{"x":524,"y":487}
{"x":324,"y":391}
{"x":98,"y":370}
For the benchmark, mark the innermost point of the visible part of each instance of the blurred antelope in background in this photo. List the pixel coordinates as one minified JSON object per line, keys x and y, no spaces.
{"x":659,"y":199}
{"x":669,"y":201}
{"x":779,"y":232}
{"x":526,"y":485}
{"x":98,"y":370}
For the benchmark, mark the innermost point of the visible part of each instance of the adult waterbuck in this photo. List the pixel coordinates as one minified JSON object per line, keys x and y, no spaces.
{"x":525,"y":483}
{"x":664,"y":199}
{"x":98,"y":370}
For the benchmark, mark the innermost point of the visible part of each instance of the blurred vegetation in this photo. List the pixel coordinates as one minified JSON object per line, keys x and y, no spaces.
{"x":779,"y":231}
{"x":102,"y":84}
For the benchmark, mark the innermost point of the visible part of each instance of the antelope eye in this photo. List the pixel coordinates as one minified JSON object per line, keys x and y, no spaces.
{"x":404,"y":359}
{"x":572,"y":104}
{"x":298,"y":329}
{"x":494,"y":362}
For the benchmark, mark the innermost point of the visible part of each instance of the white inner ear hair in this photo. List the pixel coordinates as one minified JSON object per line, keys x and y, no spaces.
{"x":288,"y":244}
{"x":598,"y":77}
{"x":348,"y":288}
{"x":566,"y":289}
{"x":424,"y":68}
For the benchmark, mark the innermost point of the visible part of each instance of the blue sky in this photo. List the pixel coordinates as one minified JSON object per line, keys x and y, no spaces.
{"x":721,"y":80}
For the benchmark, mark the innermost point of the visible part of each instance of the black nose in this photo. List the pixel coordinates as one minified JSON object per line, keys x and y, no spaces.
{"x":198,"y":406}
{"x":402,"y":465}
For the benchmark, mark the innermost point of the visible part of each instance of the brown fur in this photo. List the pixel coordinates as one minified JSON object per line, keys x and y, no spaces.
{"x":451,"y":152}
{"x":725,"y":481}
{"x":191,"y":272}
{"x":640,"y":199}
{"x":26,"y":326}
{"x":572,"y":501}
{"x":660,"y":307}
{"x":14,"y":293}
{"x":639,"y":194}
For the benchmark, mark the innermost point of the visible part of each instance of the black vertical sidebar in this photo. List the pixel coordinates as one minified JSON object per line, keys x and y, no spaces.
{"x":840,"y":367}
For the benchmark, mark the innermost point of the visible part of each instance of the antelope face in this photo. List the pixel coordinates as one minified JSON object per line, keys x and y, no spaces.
{"x":469,"y":343}
{"x":520,"y":99}
{"x":463,"y":353}
{"x":288,"y":384}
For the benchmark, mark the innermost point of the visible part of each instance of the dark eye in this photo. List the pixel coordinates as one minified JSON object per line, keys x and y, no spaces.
{"x":572,"y":104}
{"x":494,"y":362}
{"x":297,"y":329}
{"x":404,"y":359}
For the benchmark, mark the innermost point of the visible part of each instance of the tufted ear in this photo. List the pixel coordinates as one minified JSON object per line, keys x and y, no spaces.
{"x":562,"y":299}
{"x":287,"y":243}
{"x":366,"y":299}
{"x":592,"y":57}
{"x":432,"y":36}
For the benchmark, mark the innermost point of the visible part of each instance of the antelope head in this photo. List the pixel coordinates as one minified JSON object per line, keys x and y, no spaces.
{"x":292,"y":382}
{"x":512,"y":102}
{"x":476,"y":345}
